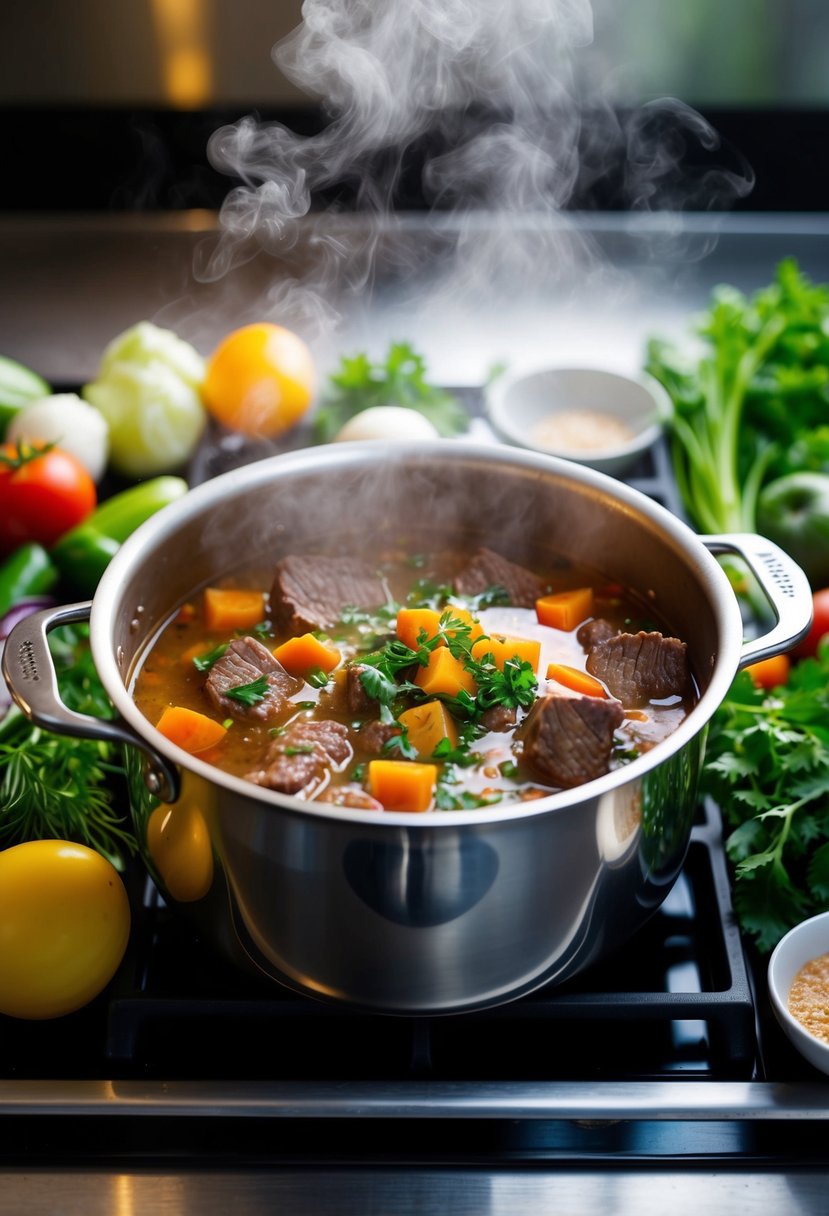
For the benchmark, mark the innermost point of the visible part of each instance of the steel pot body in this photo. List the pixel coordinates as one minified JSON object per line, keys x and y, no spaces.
{"x":440,"y":911}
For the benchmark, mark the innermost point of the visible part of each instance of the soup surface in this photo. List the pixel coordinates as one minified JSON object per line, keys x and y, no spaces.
{"x":416,"y":681}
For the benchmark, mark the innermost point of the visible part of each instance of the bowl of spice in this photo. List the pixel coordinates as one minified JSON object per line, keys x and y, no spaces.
{"x":799,"y":988}
{"x":596,"y":417}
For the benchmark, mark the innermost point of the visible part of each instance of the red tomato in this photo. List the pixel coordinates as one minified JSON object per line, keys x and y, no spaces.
{"x":43,"y":493}
{"x":820,"y":625}
{"x":770,"y":673}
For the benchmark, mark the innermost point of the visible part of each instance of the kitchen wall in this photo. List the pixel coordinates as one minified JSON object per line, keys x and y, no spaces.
{"x":196,"y":53}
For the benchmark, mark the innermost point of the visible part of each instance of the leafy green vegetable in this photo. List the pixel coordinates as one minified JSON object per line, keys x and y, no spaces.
{"x":400,"y":379}
{"x":249,"y":694}
{"x":55,"y":787}
{"x":756,"y":390}
{"x":767,"y":766}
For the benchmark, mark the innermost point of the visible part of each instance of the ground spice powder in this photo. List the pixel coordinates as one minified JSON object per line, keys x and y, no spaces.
{"x":809,"y":997}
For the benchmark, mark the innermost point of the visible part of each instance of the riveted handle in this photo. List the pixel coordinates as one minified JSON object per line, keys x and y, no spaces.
{"x":782,"y":582}
{"x":30,"y":674}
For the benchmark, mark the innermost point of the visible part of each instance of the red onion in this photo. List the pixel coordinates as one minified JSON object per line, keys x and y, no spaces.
{"x":21,"y":610}
{"x":16,"y":613}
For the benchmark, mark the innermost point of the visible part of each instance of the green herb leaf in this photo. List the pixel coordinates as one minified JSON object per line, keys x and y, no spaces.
{"x":55,"y":787}
{"x":750,"y":398}
{"x":400,"y":379}
{"x":249,"y":694}
{"x":767,"y":766}
{"x":203,"y":662}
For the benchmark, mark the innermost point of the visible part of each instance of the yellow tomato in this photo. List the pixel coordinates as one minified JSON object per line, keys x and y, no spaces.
{"x":770,"y":673}
{"x":179,"y":844}
{"x":260,"y":380}
{"x":64,"y":927}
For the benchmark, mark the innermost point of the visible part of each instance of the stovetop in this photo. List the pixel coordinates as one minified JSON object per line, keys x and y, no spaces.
{"x":188,"y":1087}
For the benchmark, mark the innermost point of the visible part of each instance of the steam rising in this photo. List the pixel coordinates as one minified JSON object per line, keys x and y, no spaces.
{"x":498,"y":102}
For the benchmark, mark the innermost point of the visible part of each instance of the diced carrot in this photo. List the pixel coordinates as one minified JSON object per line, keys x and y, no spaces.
{"x":306,"y":653}
{"x":411,"y":622}
{"x":190,"y":730}
{"x":402,"y":785}
{"x":464,"y":615}
{"x":503,"y":647}
{"x":187,"y":612}
{"x":193,"y":652}
{"x":444,"y":674}
{"x":566,"y":609}
{"x":227,"y":609}
{"x":426,"y":725}
{"x":152,"y":679}
{"x":576,"y":680}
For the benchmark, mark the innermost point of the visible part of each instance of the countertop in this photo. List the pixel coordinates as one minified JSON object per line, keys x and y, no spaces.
{"x":469,"y":293}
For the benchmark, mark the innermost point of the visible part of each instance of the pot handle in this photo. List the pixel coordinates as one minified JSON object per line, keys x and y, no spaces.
{"x":784,"y":585}
{"x":30,"y":674}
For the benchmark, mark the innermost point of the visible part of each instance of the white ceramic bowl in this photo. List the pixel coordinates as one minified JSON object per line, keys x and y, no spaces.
{"x":806,"y":941}
{"x":517,"y":405}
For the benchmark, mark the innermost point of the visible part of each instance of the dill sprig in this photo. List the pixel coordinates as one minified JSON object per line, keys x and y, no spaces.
{"x":56,"y":787}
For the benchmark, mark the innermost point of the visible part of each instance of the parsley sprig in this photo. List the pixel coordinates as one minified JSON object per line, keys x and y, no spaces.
{"x":399,"y":379}
{"x":768,"y":768}
{"x":513,"y":686}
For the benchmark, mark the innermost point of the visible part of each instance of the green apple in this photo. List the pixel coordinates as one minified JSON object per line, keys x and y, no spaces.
{"x":794,"y":512}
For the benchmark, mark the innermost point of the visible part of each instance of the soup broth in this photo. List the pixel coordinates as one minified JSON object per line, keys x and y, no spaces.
{"x":414,"y":681}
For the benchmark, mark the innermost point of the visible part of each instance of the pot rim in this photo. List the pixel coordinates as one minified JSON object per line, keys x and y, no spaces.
{"x":343,"y":456}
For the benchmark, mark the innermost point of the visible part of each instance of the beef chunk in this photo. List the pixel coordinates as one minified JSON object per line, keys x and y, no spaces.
{"x":351,"y":796}
{"x":499,"y":717}
{"x":298,"y":761}
{"x":356,"y":697}
{"x":568,"y":740}
{"x":244,"y":661}
{"x":594,"y":631}
{"x":641,"y":667}
{"x":373,"y":736}
{"x":489,"y":569}
{"x":310,"y":592}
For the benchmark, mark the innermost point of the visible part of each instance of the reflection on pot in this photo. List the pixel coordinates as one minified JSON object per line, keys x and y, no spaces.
{"x":618,"y":820}
{"x":420,"y":883}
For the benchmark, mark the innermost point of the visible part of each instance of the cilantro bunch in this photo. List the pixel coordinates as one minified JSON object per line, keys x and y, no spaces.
{"x":752,"y":393}
{"x":767,"y":765}
{"x":399,"y":379}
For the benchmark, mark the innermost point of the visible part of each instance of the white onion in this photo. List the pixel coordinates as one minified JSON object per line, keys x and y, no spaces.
{"x":70,"y":424}
{"x":391,"y":422}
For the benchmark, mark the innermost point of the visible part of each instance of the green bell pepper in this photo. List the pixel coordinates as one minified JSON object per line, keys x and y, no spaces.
{"x":83,"y":554}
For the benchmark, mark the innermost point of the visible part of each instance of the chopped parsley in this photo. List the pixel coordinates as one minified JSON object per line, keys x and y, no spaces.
{"x":249,"y":694}
{"x":203,"y":662}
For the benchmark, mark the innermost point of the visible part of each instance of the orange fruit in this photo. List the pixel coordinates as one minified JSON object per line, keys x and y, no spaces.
{"x":260,"y":380}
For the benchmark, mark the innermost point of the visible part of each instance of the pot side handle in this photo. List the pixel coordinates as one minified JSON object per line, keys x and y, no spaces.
{"x":30,"y":674}
{"x":782,"y":582}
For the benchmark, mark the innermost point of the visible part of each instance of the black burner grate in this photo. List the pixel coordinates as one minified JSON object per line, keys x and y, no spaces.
{"x":675,"y":1000}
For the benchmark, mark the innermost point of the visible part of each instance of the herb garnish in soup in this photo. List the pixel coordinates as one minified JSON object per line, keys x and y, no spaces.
{"x":434,"y":681}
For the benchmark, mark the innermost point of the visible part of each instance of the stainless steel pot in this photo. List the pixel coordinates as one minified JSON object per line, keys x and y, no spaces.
{"x":441,"y":911}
